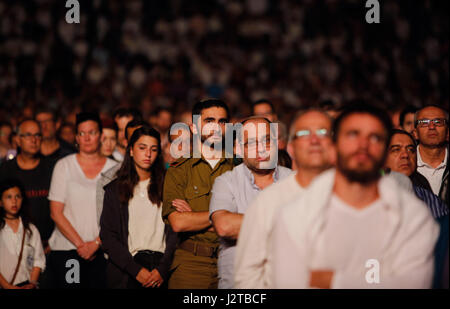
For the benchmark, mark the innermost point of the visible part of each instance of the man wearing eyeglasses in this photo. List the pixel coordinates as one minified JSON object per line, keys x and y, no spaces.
{"x":35,"y":173}
{"x":234,"y":190}
{"x":431,"y":131}
{"x":353,"y":228}
{"x":313,"y":153}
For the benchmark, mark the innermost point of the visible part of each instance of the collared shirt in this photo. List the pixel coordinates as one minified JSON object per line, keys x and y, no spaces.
{"x":251,"y":267}
{"x":433,"y":175}
{"x":192,"y":180}
{"x":234,"y":191}
{"x":10,"y":245}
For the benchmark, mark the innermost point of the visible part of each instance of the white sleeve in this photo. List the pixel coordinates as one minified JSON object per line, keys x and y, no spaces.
{"x":410,"y":264}
{"x":251,"y":249}
{"x":289,"y":263}
{"x":58,"y":184}
{"x":222,"y":196}
{"x":39,"y":256}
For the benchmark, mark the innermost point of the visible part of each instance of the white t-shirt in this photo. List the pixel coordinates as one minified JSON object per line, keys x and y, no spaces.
{"x":145,"y":224}
{"x":351,"y":236}
{"x":78,"y":193}
{"x":212,"y":162}
{"x":32,"y":256}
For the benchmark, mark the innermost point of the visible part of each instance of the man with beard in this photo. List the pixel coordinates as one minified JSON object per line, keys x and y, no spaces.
{"x":233,"y":191}
{"x":353,"y":228}
{"x":431,"y":130}
{"x":186,"y":198}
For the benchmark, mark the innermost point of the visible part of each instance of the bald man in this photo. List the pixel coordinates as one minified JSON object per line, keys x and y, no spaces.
{"x":35,"y":173}
{"x":234,"y":190}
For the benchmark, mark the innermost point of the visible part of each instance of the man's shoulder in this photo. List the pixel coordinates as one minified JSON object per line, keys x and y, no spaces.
{"x":8,"y":164}
{"x":284,"y":171}
{"x":111,"y":185}
{"x":111,"y":172}
{"x":232,"y":175}
{"x":179,"y":163}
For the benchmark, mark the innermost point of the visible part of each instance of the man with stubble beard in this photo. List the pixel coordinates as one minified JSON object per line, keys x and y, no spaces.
{"x":353,"y":228}
{"x":186,"y":197}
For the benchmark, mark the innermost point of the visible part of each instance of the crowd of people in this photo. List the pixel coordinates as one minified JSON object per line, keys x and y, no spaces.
{"x":113,"y":145}
{"x":151,"y":54}
{"x":353,"y":189}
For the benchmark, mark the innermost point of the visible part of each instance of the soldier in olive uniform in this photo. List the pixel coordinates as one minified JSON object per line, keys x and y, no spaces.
{"x":186,"y":197}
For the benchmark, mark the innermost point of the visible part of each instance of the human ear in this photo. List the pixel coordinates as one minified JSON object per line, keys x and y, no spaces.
{"x":193,"y":128}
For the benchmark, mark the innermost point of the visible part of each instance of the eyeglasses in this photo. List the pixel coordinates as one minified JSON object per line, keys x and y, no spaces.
{"x":91,"y":133}
{"x":29,"y":135}
{"x":320,"y":133}
{"x":265,"y":143}
{"x":424,"y":123}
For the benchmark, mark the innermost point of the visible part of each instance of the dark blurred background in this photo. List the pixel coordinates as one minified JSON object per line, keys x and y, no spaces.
{"x":170,"y":53}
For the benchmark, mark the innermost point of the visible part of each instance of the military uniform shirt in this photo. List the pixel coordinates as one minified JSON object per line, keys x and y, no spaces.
{"x":191,"y":180}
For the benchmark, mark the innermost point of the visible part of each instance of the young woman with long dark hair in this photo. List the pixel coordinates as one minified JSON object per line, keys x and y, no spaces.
{"x":139,"y":245}
{"x":21,"y":254}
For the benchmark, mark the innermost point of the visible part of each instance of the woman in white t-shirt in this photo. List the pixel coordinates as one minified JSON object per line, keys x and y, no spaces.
{"x":139,"y":245}
{"x":76,"y":259}
{"x":18,"y":271}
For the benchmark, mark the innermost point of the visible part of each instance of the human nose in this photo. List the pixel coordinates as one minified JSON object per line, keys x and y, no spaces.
{"x":364,"y":142}
{"x":432,"y":125}
{"x":314,"y":139}
{"x":404,"y":153}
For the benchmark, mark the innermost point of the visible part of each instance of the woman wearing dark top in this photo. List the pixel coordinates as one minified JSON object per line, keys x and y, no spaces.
{"x":139,"y":245}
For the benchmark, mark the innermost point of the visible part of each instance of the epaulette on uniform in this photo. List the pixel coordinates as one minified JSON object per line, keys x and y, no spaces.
{"x":178,"y":162}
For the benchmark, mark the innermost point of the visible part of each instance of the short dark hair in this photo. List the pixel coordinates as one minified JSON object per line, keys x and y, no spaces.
{"x":127,"y":112}
{"x":160,"y":109}
{"x":201,"y":105}
{"x":135,"y":123}
{"x":85,"y":116}
{"x":398,"y":131}
{"x":327,"y":105}
{"x":264,"y":101}
{"x":361,"y":107}
{"x":407,"y":110}
{"x":46,"y":110}
{"x":108,"y":123}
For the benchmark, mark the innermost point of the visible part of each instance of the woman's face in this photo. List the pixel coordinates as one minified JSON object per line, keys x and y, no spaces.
{"x":88,"y":137}
{"x":108,"y":142}
{"x":144,"y":152}
{"x":11,"y":201}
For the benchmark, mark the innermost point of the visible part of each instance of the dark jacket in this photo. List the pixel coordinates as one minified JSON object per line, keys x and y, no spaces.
{"x":419,"y":180}
{"x":114,"y":236}
{"x":443,"y":191}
